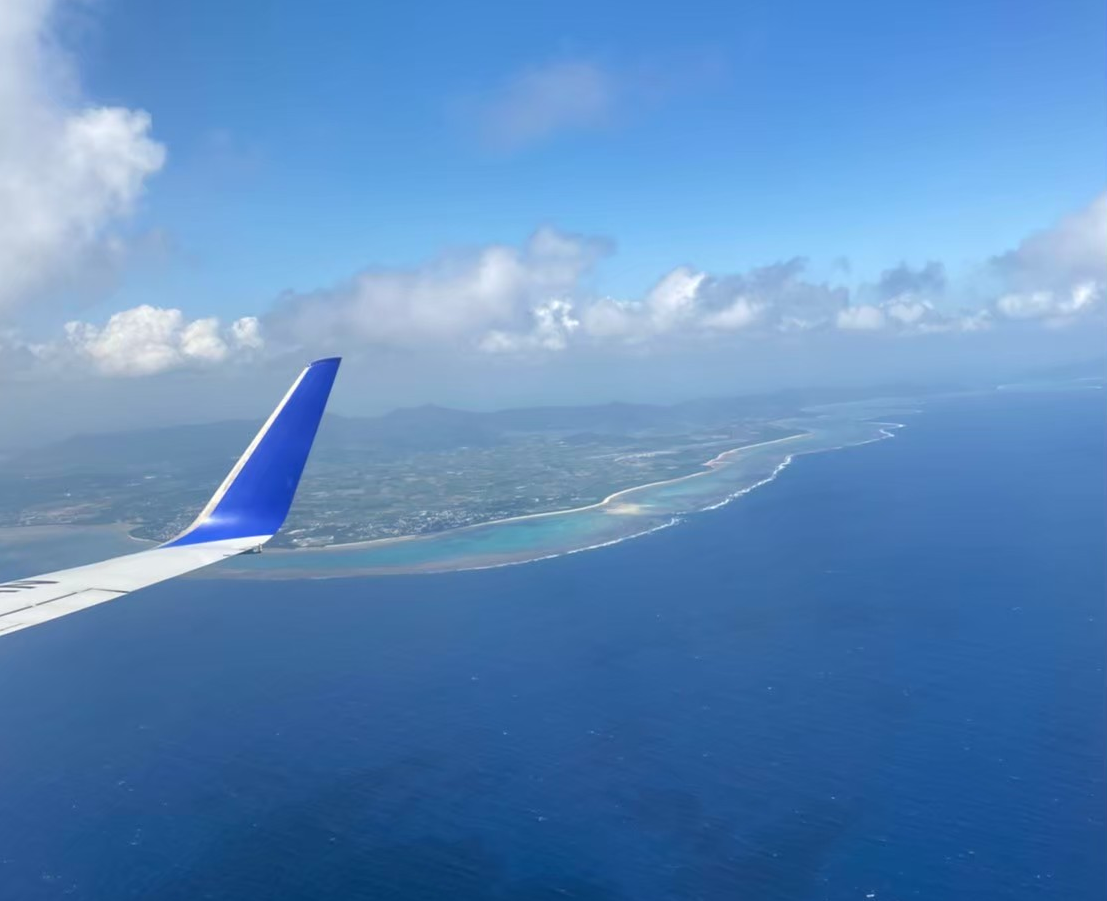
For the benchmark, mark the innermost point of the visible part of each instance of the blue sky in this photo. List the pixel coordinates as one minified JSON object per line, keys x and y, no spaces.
{"x":362,"y":164}
{"x":306,"y":141}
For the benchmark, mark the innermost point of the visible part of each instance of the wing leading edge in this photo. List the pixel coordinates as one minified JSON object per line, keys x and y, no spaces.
{"x":242,"y":515}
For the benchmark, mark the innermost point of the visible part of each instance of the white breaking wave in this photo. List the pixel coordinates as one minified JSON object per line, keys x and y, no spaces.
{"x":577,"y":550}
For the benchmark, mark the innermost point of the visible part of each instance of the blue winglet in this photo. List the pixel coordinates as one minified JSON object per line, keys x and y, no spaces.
{"x":254,"y":499}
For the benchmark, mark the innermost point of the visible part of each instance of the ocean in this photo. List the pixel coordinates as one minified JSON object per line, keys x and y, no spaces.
{"x":878,"y":676}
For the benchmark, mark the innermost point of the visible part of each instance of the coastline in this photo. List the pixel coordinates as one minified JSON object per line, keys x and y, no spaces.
{"x":706,"y":469}
{"x":621,"y":515}
{"x":627,"y":513}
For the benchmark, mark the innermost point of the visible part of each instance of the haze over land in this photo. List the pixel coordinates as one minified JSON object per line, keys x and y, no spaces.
{"x":412,"y":471}
{"x":429,"y":470}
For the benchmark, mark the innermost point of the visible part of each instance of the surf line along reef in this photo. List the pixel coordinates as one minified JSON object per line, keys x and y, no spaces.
{"x":626,"y":514}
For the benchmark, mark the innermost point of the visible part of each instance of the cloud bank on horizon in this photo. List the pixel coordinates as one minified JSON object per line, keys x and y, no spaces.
{"x":72,"y":173}
{"x":535,"y":300}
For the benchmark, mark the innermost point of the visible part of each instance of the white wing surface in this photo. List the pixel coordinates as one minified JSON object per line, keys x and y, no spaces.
{"x":241,"y":516}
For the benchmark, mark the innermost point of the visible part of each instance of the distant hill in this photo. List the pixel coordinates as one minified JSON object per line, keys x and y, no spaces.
{"x":209,"y":447}
{"x":134,"y":450}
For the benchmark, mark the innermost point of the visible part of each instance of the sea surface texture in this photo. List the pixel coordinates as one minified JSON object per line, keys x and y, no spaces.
{"x":878,"y":676}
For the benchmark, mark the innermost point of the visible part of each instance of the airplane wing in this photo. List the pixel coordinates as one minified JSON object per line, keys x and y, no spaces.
{"x":241,"y":516}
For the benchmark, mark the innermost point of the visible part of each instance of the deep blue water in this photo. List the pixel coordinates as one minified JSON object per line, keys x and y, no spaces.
{"x":880,"y":675}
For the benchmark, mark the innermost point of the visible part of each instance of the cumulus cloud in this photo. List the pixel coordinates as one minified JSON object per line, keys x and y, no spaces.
{"x":740,"y":314}
{"x":553,"y":324}
{"x":456,"y":299}
{"x":68,"y":170}
{"x":788,"y":300}
{"x":246,"y":333}
{"x":689,"y":303}
{"x":672,"y":304}
{"x":1057,"y":307}
{"x":536,"y":299}
{"x":904,"y":315}
{"x":146,"y":340}
{"x":903,"y":300}
{"x":1057,"y":275}
{"x":1061,"y":257}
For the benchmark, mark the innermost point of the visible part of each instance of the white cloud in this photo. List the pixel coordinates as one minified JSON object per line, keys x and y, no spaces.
{"x":146,"y":340}
{"x":673,"y":300}
{"x":554,"y":323}
{"x":861,"y":318}
{"x":454,"y":300}
{"x":741,"y":314}
{"x":1062,"y":271}
{"x":68,"y":170}
{"x":1052,"y":305}
{"x":786,"y":299}
{"x":610,"y":318}
{"x":672,"y":304}
{"x":906,"y":316}
{"x":536,"y":299}
{"x":687,"y":303}
{"x":246,"y":333}
{"x":907,"y":311}
{"x":1057,"y":275}
{"x":1068,"y":253}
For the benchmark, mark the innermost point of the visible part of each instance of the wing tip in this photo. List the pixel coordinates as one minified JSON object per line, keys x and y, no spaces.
{"x":255,"y":498}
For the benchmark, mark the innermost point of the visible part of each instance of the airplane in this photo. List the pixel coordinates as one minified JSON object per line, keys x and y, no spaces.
{"x":247,"y":510}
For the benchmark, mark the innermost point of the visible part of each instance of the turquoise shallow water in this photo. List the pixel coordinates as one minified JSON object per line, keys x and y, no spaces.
{"x":633,"y":512}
